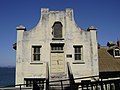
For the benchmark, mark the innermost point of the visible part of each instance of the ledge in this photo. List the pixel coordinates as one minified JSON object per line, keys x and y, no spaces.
{"x":79,"y":62}
{"x":36,"y":63}
{"x":57,"y":38}
{"x":57,"y":51}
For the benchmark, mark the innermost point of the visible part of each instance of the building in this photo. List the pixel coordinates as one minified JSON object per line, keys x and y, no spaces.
{"x":109,"y":60}
{"x":55,"y":49}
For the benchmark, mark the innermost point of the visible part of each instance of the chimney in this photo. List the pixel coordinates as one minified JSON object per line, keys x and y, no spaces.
{"x":118,"y":43}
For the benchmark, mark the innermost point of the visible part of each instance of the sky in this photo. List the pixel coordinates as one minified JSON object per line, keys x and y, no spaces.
{"x":103,"y":14}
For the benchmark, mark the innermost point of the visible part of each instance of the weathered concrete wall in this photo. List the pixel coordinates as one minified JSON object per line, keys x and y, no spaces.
{"x":42,"y":35}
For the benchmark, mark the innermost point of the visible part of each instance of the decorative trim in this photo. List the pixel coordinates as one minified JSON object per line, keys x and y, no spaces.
{"x":57,"y":43}
{"x":77,"y":45}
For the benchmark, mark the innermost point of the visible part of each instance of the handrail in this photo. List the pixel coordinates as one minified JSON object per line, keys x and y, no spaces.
{"x":49,"y":81}
{"x":99,"y":82}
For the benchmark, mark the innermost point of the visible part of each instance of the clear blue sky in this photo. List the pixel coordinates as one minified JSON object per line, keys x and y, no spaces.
{"x":104,"y":14}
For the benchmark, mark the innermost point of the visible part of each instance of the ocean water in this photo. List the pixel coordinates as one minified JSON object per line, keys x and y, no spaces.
{"x":7,"y":76}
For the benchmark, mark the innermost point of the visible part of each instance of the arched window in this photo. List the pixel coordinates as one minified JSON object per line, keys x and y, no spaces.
{"x":57,"y":30}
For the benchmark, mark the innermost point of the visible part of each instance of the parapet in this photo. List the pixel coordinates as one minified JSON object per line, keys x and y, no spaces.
{"x":44,"y":10}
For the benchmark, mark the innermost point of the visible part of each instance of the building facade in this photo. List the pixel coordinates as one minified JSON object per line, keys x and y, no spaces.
{"x":55,"y":49}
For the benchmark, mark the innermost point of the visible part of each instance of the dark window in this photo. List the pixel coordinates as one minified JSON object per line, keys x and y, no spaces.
{"x":36,"y":53}
{"x":78,"y":52}
{"x":117,"y":52}
{"x":57,"y":30}
{"x":39,"y":81}
{"x":56,"y":47}
{"x":69,"y":55}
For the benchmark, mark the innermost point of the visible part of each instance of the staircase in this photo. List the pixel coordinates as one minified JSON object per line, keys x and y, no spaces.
{"x":62,"y":81}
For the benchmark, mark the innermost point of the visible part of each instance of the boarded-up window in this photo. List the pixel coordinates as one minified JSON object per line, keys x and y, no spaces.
{"x":57,"y":63}
{"x":57,"y":30}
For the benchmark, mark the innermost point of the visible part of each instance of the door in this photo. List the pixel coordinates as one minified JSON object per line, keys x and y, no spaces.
{"x":57,"y":63}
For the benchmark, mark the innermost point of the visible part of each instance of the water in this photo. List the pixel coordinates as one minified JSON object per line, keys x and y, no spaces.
{"x":7,"y":76}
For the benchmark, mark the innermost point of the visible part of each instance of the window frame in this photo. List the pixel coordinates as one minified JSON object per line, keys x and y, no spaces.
{"x":30,"y":81}
{"x":57,"y":47}
{"x":78,"y":52}
{"x":56,"y":36}
{"x":118,"y":52}
{"x":37,"y":53}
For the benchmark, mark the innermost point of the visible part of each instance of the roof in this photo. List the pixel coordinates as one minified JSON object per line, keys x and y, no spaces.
{"x":107,"y":63}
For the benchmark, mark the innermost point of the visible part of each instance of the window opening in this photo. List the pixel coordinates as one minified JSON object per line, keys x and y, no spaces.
{"x":39,"y":81}
{"x":117,"y":52}
{"x":78,"y":52}
{"x":36,"y":53}
{"x":56,"y":47}
{"x":57,"y":30}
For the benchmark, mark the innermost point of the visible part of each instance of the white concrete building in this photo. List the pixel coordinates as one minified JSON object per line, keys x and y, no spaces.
{"x":55,"y":48}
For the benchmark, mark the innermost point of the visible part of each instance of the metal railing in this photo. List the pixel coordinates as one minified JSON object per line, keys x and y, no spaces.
{"x":113,"y":84}
{"x":81,"y":84}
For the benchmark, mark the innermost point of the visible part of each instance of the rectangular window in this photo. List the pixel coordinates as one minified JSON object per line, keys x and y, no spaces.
{"x":36,"y":53}
{"x":56,"y":47}
{"x":69,"y":55}
{"x":30,"y":81}
{"x":117,"y":52}
{"x":78,"y":52}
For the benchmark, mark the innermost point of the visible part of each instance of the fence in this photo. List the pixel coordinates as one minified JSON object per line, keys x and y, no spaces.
{"x":100,"y":84}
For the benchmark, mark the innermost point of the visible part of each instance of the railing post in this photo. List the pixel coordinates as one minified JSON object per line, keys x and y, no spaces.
{"x":20,"y":87}
{"x":101,"y":83}
{"x":116,"y":84}
{"x":61,"y":84}
{"x":91,"y":84}
{"x":47,"y":76}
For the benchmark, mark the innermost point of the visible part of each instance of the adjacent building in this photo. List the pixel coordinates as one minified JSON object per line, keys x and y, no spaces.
{"x":55,"y":49}
{"x":109,"y":60}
